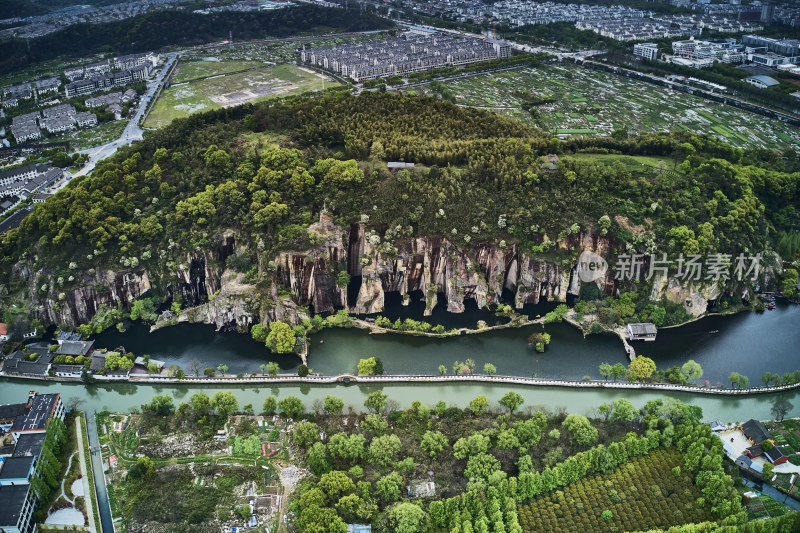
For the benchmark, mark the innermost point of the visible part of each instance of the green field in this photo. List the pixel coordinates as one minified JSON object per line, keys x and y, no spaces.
{"x":181,"y":100}
{"x":192,"y":70}
{"x":576,"y":131}
{"x":587,"y":102}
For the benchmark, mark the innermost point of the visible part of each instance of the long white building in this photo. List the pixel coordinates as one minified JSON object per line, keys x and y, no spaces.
{"x":407,"y":53}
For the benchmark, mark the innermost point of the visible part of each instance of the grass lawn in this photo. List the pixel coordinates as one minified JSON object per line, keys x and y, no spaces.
{"x":180,"y":101}
{"x":262,"y":141}
{"x":630,"y":161}
{"x":192,"y":70}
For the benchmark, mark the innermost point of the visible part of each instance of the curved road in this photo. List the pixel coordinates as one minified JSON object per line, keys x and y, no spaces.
{"x":132,"y":131}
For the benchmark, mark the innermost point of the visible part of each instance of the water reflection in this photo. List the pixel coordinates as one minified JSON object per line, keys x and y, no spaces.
{"x":747,"y":343}
{"x":122,"y":397}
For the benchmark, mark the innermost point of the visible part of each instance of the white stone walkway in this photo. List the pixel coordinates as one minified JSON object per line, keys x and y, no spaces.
{"x":89,"y":497}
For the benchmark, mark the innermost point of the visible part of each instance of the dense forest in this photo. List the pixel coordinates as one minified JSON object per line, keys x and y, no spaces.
{"x":480,"y":178}
{"x":156,"y":30}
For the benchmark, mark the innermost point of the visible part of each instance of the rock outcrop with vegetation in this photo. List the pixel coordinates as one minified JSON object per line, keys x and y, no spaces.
{"x":259,"y":213}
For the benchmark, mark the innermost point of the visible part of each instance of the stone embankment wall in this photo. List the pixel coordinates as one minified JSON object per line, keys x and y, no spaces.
{"x":423,"y":378}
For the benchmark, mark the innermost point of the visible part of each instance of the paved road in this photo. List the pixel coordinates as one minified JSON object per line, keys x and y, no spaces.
{"x":132,"y":131}
{"x":87,"y":496}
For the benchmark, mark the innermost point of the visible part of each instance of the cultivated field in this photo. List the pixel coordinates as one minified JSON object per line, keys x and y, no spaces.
{"x":640,"y":495}
{"x":226,"y":90}
{"x":282,"y":52}
{"x":586,"y":102}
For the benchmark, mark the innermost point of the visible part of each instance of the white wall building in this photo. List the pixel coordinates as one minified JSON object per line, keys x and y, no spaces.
{"x":646,"y":50}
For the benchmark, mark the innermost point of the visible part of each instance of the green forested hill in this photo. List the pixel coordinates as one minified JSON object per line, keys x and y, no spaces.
{"x":479,"y":178}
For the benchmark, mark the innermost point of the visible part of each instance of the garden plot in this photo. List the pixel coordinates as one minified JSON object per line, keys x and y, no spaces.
{"x":587,"y":102}
{"x":282,"y":52}
{"x":762,"y":507}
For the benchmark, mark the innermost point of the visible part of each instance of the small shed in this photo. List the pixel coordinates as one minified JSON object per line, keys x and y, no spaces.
{"x":754,"y":451}
{"x":399,"y":164}
{"x":642,"y":331}
{"x":746,"y":463}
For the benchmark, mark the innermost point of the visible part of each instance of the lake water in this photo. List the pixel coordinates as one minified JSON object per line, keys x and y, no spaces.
{"x":748,"y":343}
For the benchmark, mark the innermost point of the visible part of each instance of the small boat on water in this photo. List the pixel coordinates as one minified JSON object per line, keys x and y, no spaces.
{"x":771,"y":306}
{"x":713,"y":332}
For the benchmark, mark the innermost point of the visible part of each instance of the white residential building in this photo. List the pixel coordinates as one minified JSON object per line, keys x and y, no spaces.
{"x":86,"y":119}
{"x":646,"y":50}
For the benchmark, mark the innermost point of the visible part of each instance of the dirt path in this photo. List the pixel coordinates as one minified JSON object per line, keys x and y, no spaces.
{"x":290,"y":477}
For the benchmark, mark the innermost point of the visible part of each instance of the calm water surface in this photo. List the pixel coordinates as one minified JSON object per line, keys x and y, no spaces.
{"x":124,"y":396}
{"x":748,"y":343}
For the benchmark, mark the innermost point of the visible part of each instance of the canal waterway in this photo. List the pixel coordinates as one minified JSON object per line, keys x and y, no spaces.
{"x":748,"y":343}
{"x":125,"y":396}
{"x":68,"y":393}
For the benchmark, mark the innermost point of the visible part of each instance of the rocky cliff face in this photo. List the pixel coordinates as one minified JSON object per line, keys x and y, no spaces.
{"x":694,"y":296}
{"x":71,"y":308}
{"x":436,"y":267}
{"x":233,"y":306}
{"x":311,"y":275}
{"x":479,"y":272}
